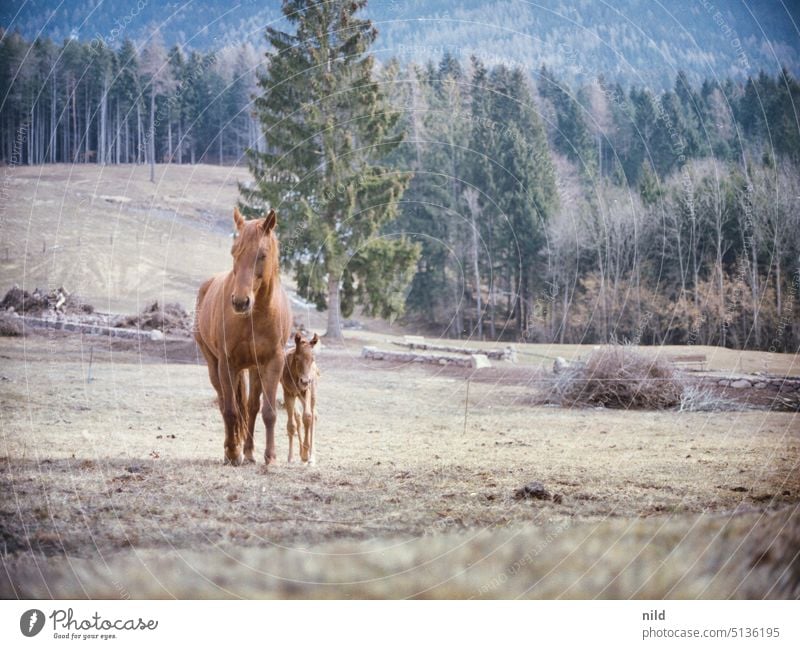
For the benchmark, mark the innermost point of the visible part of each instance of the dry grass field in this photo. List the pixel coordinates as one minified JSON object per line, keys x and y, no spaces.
{"x":115,"y":487}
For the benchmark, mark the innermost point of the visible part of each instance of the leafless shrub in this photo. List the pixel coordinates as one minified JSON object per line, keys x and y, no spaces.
{"x":620,"y":377}
{"x":786,"y":403}
{"x":171,"y":318}
{"x":59,"y":300}
{"x":10,"y":327}
{"x":696,"y":398}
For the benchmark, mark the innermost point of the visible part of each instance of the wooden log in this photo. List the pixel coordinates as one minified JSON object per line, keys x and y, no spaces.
{"x":479,"y":361}
{"x":88,"y":328}
{"x":689,"y":359}
{"x":373,"y":353}
{"x":508,"y":353}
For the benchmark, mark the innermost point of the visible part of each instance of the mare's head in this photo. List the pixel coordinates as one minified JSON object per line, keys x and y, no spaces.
{"x":255,"y":258}
{"x":303,"y":369}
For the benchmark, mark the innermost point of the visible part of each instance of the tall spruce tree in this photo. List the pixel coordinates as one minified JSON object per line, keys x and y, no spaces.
{"x":327,"y":127}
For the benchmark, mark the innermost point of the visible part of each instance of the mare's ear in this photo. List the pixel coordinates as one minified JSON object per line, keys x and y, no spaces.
{"x":314,"y":340}
{"x":238,"y":221}
{"x":297,"y":339}
{"x":269,"y":222}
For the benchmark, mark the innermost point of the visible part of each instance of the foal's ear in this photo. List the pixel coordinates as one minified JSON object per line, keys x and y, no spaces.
{"x":269,"y":221}
{"x":314,"y":340}
{"x":238,"y":221}
{"x":297,"y":339}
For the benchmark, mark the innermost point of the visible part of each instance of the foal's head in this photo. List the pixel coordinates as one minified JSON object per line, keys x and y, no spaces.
{"x":255,"y":258}
{"x":303,"y":369}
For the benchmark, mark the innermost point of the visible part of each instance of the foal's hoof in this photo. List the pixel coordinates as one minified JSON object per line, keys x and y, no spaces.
{"x":249,"y":459}
{"x":270,"y":460}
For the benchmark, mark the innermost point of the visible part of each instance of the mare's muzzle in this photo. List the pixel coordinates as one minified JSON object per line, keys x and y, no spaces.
{"x":240,"y":304}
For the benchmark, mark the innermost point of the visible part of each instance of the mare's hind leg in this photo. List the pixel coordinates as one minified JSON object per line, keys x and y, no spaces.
{"x":232,"y":412}
{"x":253,"y":406}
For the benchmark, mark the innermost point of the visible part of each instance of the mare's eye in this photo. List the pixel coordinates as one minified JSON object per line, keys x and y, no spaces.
{"x":261,"y":256}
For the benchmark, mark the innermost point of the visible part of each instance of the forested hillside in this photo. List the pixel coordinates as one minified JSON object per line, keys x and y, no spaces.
{"x":602,"y":212}
{"x":550,"y":202}
{"x":85,"y":102}
{"x":632,"y":41}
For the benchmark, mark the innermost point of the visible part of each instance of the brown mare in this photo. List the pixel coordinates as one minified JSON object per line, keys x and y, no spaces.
{"x":299,"y":381}
{"x":243,"y":322}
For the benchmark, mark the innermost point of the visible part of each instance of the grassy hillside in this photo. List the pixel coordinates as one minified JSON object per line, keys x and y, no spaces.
{"x":114,"y":238}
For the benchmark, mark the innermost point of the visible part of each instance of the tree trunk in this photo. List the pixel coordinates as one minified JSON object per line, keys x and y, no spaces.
{"x":53,"y":128}
{"x":138,"y":133}
{"x":180,"y":141}
{"x":88,"y":114}
{"x":778,"y":297}
{"x":334,"y":331}
{"x":117,"y":143}
{"x":152,"y":134}
{"x":755,"y":291}
{"x":565,"y":310}
{"x":101,"y":144}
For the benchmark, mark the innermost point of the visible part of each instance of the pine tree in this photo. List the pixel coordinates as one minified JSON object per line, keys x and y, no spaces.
{"x":327,"y":126}
{"x":129,"y":93}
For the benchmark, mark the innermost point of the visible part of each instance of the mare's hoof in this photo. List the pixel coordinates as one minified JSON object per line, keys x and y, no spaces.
{"x":249,"y":459}
{"x":270,"y":460}
{"x":234,"y":461}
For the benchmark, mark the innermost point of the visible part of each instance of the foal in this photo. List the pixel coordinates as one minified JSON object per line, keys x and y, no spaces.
{"x":299,"y":381}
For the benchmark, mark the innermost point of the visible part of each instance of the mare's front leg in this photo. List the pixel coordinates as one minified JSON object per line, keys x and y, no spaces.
{"x":270,"y":377}
{"x":232,"y":413}
{"x":253,"y":406}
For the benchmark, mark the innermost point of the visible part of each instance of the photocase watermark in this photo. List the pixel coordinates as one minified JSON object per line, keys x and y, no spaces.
{"x":67,"y":626}
{"x":16,"y":159}
{"x":438,"y":50}
{"x":637,"y":336}
{"x":31,"y":622}
{"x":120,"y":26}
{"x":525,"y":560}
{"x":165,"y":109}
{"x":787,"y":313}
{"x":694,"y":331}
{"x":538,"y":312}
{"x":728,"y":31}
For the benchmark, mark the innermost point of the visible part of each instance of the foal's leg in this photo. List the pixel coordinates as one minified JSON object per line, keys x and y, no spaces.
{"x":313,"y":391}
{"x":229,"y":381}
{"x":270,"y":377}
{"x":291,"y":426}
{"x":253,"y":406}
{"x":306,"y":449}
